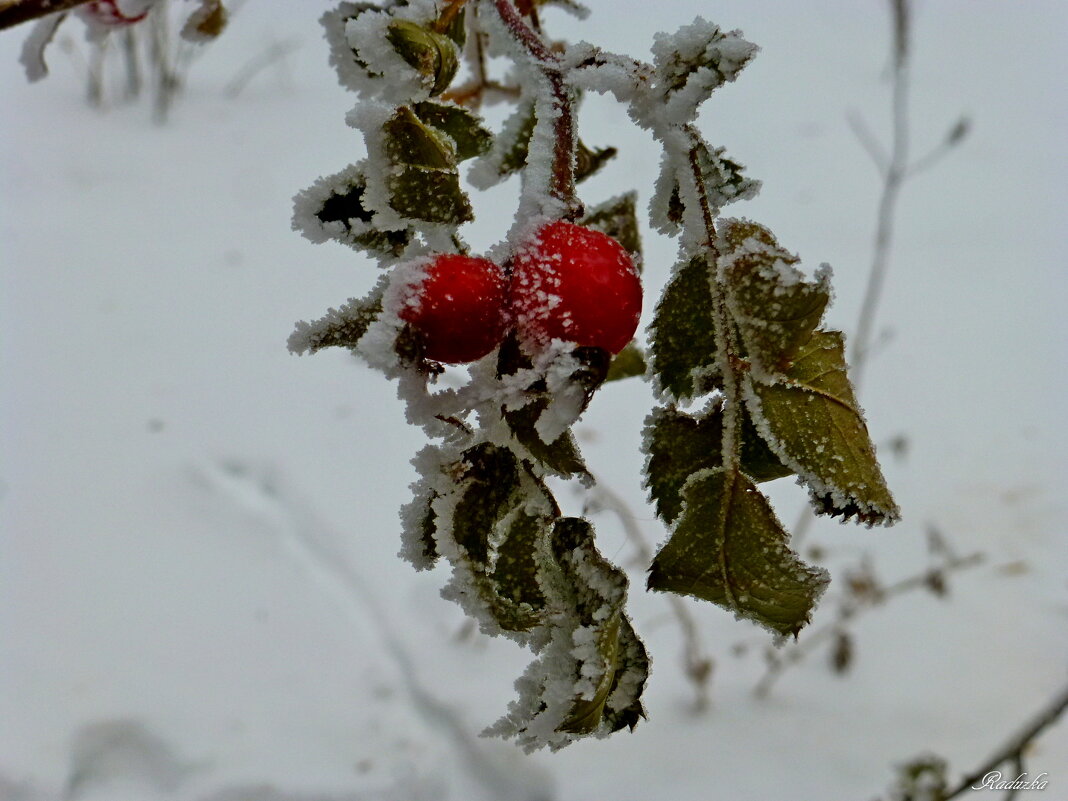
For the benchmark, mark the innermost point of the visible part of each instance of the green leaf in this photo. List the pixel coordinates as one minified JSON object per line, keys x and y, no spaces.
{"x":729,"y":548}
{"x":490,"y":488}
{"x":723,"y":178}
{"x":680,"y":445}
{"x":431,"y":195}
{"x":618,"y":218}
{"x":758,"y":461}
{"x":811,"y":419}
{"x":628,"y":363}
{"x":776,"y":310}
{"x":561,"y":456}
{"x":683,"y":333}
{"x":464,"y":127}
{"x":340,"y":328}
{"x":409,"y":141}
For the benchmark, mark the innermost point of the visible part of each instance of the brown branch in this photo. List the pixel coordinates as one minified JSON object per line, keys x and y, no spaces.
{"x":562,"y":180}
{"x":15,"y":12}
{"x":1012,"y":751}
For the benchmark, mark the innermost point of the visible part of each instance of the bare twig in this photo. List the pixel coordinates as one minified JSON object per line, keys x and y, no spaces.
{"x":864,"y":595}
{"x":1014,"y":749}
{"x":894,"y":176}
{"x":254,"y":66}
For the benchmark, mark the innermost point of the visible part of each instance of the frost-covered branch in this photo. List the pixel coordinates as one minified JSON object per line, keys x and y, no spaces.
{"x":562,"y":181}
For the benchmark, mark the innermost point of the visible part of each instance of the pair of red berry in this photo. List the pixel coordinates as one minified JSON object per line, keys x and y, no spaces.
{"x":568,"y":282}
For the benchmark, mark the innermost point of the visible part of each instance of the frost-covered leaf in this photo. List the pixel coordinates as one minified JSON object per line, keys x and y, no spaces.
{"x":351,"y":69}
{"x":775,"y":308}
{"x":811,"y":420}
{"x":409,"y":141}
{"x":561,"y":456}
{"x":430,"y":195}
{"x":588,"y":161}
{"x":695,"y":61}
{"x":729,"y":548}
{"x":618,"y":218}
{"x":589,"y":675}
{"x":333,"y":208}
{"x":464,"y":127}
{"x":514,"y":139}
{"x":491,"y":482}
{"x":343,"y":327}
{"x":628,"y":363}
{"x":433,"y":55}
{"x":680,"y":445}
{"x":518,"y":596}
{"x":722,"y":181}
{"x":683,"y":333}
{"x":591,"y":670}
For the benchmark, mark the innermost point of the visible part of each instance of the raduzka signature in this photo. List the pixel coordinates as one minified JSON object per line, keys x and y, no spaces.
{"x":994,"y":780}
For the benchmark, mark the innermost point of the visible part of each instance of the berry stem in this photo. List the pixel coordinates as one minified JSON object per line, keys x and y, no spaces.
{"x":562,"y":179}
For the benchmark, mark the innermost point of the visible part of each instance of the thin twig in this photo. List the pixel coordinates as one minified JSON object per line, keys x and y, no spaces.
{"x":868,"y":140}
{"x":874,"y":597}
{"x":894,"y":176}
{"x":1014,"y":748}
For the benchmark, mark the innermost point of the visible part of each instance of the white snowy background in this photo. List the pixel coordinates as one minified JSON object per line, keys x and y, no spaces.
{"x":199,"y":591}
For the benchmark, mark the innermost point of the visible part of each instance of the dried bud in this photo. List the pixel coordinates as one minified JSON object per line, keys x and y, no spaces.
{"x":432,"y":55}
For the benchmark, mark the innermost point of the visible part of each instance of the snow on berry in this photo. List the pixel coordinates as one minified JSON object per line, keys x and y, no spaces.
{"x":457,"y":304}
{"x":575,"y":284}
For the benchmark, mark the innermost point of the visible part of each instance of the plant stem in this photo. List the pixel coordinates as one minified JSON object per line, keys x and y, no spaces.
{"x":562,"y":179}
{"x":894,"y":177}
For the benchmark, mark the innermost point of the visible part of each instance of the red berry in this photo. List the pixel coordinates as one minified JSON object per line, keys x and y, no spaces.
{"x":458,"y":305}
{"x":578,"y":285}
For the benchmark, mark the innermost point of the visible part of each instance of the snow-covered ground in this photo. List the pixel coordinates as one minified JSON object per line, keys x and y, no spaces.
{"x":199,"y":591}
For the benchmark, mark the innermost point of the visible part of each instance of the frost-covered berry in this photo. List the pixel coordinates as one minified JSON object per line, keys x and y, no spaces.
{"x":110,"y":12}
{"x":458,"y":305}
{"x":578,"y":285}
